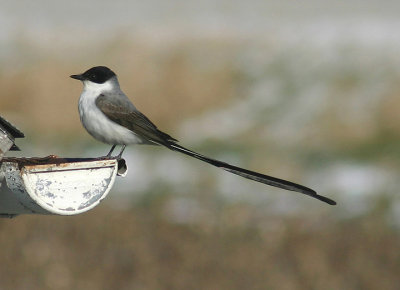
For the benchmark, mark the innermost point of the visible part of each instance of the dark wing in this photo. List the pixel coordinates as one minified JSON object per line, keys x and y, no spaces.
{"x":120,"y":111}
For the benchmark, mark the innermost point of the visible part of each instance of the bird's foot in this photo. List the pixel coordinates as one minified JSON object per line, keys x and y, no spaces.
{"x":110,"y":152}
{"x":120,"y":153}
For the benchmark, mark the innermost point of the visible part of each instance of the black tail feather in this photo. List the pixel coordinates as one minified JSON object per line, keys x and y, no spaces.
{"x":269,"y":180}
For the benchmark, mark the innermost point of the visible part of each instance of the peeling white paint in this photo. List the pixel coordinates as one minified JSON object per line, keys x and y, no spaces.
{"x":65,"y":188}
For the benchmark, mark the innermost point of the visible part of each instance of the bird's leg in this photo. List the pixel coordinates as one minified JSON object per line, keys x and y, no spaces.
{"x":112,"y":149}
{"x":120,"y":153}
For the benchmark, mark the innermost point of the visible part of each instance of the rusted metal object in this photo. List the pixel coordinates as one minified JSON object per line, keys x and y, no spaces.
{"x":52,"y":185}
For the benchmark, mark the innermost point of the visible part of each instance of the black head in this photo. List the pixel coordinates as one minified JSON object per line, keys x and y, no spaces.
{"x":97,"y":74}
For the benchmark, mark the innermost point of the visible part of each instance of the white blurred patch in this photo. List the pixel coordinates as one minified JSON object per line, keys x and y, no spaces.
{"x":353,"y":179}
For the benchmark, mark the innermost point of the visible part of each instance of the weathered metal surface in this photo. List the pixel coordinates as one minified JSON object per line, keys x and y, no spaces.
{"x":8,"y":133}
{"x":122,"y":168}
{"x":54,"y":185}
{"x":51,"y":185}
{"x":5,"y":142}
{"x":14,"y":198}
{"x":11,"y":129}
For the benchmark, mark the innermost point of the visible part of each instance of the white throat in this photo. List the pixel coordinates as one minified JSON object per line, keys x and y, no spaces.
{"x":96,"y":89}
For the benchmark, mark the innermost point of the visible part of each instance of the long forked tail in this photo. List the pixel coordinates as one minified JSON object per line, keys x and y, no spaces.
{"x":273,"y":181}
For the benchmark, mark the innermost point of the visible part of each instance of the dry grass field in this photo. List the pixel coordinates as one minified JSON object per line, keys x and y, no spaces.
{"x":139,"y":249}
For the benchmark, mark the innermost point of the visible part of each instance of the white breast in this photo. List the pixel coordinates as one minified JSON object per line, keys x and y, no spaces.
{"x":97,"y":124}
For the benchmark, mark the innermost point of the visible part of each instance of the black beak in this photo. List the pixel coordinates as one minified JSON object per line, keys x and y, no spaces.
{"x":78,"y":77}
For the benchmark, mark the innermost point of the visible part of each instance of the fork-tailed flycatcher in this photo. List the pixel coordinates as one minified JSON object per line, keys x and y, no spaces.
{"x":109,"y":116}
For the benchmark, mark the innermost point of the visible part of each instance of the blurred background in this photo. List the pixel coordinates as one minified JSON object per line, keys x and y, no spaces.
{"x":306,"y":91}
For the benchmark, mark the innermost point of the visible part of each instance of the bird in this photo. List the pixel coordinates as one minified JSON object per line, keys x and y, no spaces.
{"x":110,"y":117}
